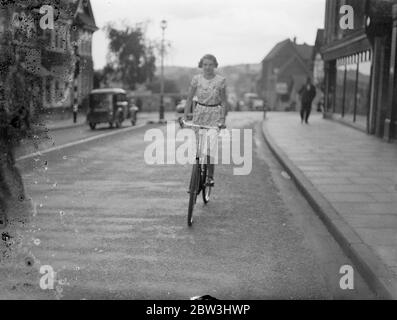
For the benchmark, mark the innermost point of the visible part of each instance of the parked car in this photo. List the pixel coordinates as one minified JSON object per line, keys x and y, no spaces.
{"x":108,"y":106}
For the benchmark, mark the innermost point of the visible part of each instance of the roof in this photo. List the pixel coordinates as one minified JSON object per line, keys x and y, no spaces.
{"x":276,"y":49}
{"x":319,"y":38}
{"x":86,"y":20}
{"x":109,"y":90}
{"x":84,"y":14}
{"x":304,"y":50}
{"x":302,"y":53}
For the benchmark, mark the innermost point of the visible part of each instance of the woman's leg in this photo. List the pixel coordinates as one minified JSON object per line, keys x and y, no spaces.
{"x":211,"y":167}
{"x":212,"y":153}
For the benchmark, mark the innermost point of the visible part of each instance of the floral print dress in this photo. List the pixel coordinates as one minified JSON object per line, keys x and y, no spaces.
{"x":208,"y":92}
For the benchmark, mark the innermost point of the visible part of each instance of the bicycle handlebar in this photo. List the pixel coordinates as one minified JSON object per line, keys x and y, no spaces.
{"x":183,"y":124}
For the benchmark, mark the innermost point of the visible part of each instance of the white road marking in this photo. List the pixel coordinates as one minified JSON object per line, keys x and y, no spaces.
{"x":78,"y":142}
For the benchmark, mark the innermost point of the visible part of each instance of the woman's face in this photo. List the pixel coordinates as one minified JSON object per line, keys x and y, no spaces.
{"x":208,"y":67}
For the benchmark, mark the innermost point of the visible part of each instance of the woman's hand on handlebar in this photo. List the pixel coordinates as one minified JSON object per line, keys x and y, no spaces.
{"x":222,"y":124}
{"x":182,"y":121}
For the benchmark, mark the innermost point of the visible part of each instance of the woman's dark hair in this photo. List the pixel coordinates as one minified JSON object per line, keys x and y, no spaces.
{"x":208,"y":57}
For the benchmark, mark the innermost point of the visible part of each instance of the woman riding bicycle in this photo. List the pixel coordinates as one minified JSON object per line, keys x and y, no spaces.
{"x":210,"y":90}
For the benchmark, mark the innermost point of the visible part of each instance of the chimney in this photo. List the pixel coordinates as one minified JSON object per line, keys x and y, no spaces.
{"x":295,"y":40}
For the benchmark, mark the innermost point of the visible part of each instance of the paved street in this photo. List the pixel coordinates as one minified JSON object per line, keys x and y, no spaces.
{"x":64,"y":131}
{"x":113,"y":227}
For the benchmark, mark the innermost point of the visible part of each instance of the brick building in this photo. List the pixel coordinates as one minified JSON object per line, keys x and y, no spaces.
{"x":50,"y":55}
{"x":284,"y":71}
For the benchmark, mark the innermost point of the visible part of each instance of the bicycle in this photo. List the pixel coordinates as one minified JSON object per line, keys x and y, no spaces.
{"x":199,"y":179}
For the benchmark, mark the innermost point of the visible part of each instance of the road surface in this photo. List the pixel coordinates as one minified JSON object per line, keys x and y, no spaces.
{"x":113,"y":227}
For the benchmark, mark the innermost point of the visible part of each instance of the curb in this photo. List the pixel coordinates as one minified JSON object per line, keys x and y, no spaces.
{"x":66,"y":127}
{"x":378,"y":276}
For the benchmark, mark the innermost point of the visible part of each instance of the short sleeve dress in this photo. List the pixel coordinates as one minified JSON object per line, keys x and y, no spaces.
{"x":208,"y":92}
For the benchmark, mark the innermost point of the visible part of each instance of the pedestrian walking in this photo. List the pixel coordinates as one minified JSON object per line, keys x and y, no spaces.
{"x":210,"y":110}
{"x":75,"y":111}
{"x":307,"y":94}
{"x":133,"y":112}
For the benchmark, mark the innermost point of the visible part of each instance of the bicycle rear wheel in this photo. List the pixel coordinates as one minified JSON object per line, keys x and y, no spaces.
{"x":193,"y":191}
{"x":206,"y":188}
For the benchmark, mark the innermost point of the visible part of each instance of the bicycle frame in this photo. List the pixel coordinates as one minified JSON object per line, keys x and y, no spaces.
{"x":199,"y":164}
{"x":199,"y":143}
{"x":198,"y":178}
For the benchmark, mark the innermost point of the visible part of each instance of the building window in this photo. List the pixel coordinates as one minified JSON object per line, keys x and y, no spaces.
{"x":89,"y":46}
{"x":2,"y":93}
{"x":56,"y":89}
{"x":62,"y":37}
{"x":47,"y":91}
{"x":364,"y":79}
{"x":58,"y":38}
{"x":352,"y":96}
{"x":53,"y":39}
{"x":47,"y":37}
{"x":340,"y":86}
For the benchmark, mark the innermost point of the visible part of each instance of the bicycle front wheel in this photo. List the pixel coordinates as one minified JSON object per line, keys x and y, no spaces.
{"x":206,"y":187}
{"x":193,"y":191}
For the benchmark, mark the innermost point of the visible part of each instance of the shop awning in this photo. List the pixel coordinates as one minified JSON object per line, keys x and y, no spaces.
{"x":346,"y":47}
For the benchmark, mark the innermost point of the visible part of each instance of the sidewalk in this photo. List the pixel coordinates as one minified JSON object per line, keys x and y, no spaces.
{"x":65,"y":123}
{"x":143,"y":117}
{"x":350,"y":179}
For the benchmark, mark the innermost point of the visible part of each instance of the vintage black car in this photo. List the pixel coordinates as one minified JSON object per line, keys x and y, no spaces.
{"x":108,"y":106}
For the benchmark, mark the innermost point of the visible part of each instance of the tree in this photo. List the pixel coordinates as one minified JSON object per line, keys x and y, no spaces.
{"x":20,"y":103}
{"x":131,"y":58}
{"x":98,"y":79}
{"x":104,"y":76}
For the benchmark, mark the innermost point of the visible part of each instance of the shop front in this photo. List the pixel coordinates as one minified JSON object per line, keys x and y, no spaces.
{"x":352,"y":90}
{"x":359,"y":67}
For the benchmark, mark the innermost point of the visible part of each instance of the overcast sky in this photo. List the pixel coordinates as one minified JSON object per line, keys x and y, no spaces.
{"x":236,"y":31}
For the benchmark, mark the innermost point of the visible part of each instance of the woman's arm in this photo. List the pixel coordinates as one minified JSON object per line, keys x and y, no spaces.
{"x":189,"y":100}
{"x":223,"y":103}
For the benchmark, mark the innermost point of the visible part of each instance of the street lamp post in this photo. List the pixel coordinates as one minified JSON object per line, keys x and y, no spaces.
{"x":163,"y":27}
{"x":275,"y":77}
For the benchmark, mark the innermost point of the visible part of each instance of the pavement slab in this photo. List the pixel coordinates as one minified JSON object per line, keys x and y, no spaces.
{"x":353,"y":172}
